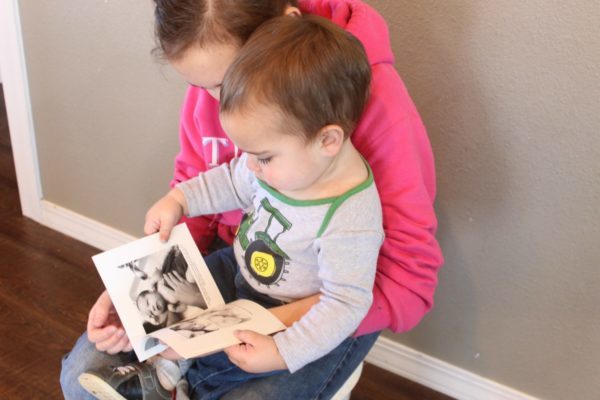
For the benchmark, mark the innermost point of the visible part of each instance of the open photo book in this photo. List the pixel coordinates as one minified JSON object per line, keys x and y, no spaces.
{"x":165,"y":296}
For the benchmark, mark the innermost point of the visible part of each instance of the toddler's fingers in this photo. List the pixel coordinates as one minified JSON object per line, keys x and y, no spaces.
{"x":151,"y":226}
{"x":246,"y":336}
{"x":232,"y":353}
{"x":165,"y":232}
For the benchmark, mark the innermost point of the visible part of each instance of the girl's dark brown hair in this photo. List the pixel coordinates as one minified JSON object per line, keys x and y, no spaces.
{"x":180,"y":24}
{"x":312,"y":70}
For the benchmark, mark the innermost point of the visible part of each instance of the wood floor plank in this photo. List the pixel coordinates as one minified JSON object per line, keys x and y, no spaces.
{"x":37,"y":356}
{"x":378,"y":384}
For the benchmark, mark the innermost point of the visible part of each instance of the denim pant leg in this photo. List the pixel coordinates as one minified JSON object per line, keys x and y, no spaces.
{"x":318,"y":380}
{"x":223,"y":268}
{"x":82,"y":358}
{"x":213,"y":376}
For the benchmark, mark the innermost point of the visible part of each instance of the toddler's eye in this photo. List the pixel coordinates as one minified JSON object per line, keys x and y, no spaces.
{"x":264,"y":160}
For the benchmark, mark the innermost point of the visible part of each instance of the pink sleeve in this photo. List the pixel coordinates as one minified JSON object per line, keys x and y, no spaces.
{"x":188,"y":163}
{"x":190,"y":160}
{"x":393,"y":139}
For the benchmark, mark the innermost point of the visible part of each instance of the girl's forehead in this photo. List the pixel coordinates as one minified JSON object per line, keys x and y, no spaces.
{"x":205,"y":66}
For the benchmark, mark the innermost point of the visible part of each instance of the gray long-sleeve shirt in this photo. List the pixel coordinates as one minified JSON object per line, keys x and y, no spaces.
{"x":290,"y":249}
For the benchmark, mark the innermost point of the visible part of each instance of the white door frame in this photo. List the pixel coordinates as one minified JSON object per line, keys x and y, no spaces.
{"x":18,"y":107}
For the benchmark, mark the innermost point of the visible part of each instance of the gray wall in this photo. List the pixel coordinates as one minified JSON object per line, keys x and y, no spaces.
{"x":105,"y":113}
{"x":509,"y":91}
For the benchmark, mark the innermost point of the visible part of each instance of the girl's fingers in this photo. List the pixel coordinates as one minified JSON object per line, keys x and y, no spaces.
{"x":117,"y":343}
{"x":111,"y":342}
{"x":129,"y":347}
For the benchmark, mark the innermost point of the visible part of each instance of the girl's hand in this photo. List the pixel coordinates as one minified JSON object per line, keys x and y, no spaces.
{"x":171,"y":354}
{"x":104,"y":328}
{"x":165,"y":214}
{"x":257,"y":353}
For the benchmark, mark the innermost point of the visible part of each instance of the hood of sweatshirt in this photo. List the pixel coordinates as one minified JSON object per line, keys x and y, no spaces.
{"x":359,"y":19}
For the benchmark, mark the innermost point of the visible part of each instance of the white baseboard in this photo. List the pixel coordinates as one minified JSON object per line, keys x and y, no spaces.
{"x":82,"y":228}
{"x":437,"y":374}
{"x":387,"y":354}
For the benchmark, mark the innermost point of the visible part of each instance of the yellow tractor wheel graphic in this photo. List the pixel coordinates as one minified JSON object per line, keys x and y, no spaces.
{"x":265,"y":265}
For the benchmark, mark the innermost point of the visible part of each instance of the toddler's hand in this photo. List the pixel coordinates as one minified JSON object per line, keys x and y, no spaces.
{"x":165,"y":214}
{"x":258,"y":353}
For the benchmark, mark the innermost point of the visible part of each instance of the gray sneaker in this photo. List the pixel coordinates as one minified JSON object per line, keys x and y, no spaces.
{"x":136,"y":381}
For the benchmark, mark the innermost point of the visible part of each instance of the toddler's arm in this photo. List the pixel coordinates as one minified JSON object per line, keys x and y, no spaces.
{"x":224,"y":188}
{"x":347,"y":254}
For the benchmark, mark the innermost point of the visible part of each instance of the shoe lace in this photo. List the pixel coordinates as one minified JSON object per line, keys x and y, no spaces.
{"x":124,"y":370}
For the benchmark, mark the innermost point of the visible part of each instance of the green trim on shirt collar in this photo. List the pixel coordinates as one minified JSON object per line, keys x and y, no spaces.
{"x":335,"y":201}
{"x":339,"y":200}
{"x":293,"y":202}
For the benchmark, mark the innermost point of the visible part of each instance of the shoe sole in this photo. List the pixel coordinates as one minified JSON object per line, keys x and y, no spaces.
{"x":98,"y":388}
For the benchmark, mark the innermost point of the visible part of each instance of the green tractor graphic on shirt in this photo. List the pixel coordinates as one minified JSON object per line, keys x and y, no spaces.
{"x":265,"y":260}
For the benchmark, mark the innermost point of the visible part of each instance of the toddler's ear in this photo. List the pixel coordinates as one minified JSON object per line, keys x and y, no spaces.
{"x":293,"y":11}
{"x":331,"y":138}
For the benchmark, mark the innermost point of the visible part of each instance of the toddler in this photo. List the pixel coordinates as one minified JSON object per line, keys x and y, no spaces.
{"x":290,"y":102}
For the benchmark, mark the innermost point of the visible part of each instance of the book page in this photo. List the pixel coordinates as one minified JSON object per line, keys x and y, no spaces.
{"x":154,"y":285}
{"x":212,"y":330}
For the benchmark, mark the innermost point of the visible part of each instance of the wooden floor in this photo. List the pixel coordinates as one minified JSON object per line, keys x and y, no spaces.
{"x":48,"y":284}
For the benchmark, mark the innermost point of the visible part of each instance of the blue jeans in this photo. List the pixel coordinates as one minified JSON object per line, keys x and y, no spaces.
{"x":82,"y":358}
{"x":215,"y":377}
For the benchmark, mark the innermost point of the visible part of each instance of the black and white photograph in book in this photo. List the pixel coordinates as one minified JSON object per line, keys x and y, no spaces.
{"x":155,"y":284}
{"x":163,"y":288}
{"x":165,"y":296}
{"x":211,"y":321}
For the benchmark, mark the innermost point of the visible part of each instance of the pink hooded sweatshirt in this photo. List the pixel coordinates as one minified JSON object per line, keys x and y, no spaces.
{"x":392,"y":138}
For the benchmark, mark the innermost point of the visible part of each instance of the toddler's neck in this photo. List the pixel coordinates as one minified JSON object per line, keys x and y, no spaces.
{"x":347,"y":170}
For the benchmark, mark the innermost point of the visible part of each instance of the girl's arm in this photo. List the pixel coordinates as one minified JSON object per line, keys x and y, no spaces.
{"x":292,"y":312}
{"x":392,"y":137}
